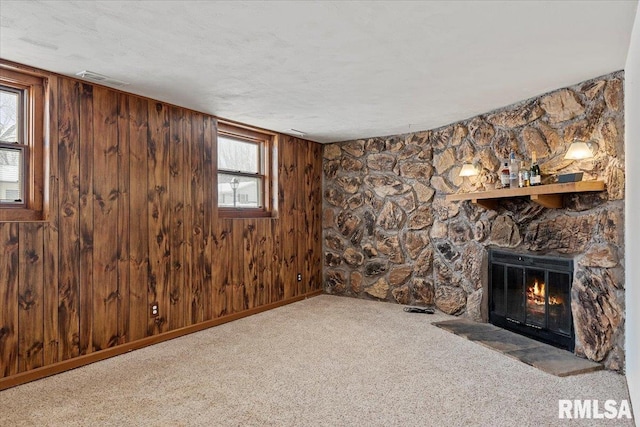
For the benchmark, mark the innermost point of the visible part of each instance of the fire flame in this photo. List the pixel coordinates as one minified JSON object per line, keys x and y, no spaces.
{"x":536,"y":294}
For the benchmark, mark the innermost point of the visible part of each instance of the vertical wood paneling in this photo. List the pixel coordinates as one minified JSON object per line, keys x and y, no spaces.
{"x":176,"y":202}
{"x":236,"y":266}
{"x":133,"y":220}
{"x":312,"y":233}
{"x":276,"y":289}
{"x":262,"y":262}
{"x":123,"y":219}
{"x":30,"y":299}
{"x":138,"y":217}
{"x":208,"y":202}
{"x":288,"y":220}
{"x":86,"y":218}
{"x":315,"y":211}
{"x":218,"y":279}
{"x":226,"y":237}
{"x":51,"y":235}
{"x":9,"y":238}
{"x":159,"y":215}
{"x":105,"y":216}
{"x":197,"y":218}
{"x":38,"y":96}
{"x":187,"y":296}
{"x":69,"y":226}
{"x":250,"y":273}
{"x":303,"y":238}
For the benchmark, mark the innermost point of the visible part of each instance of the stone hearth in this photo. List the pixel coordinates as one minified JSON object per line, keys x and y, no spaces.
{"x":390,"y":235}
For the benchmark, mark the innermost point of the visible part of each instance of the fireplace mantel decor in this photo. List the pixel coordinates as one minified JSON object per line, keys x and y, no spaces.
{"x":549,"y":195}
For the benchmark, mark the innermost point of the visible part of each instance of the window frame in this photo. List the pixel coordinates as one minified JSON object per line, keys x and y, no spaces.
{"x":24,"y":174}
{"x":34,"y":86}
{"x":266,"y":143}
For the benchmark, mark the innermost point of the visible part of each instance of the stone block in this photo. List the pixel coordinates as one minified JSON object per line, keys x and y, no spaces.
{"x":516,"y":117}
{"x":399,"y":275}
{"x":420,"y":219}
{"x":379,"y":289}
{"x":391,"y":217}
{"x":450,"y":300}
{"x":481,"y":131}
{"x":613,"y":95}
{"x":331,"y":151}
{"x":561,"y":106}
{"x":505,"y":232}
{"x":355,"y":148}
{"x":402,"y":294}
{"x":381,"y":162}
{"x":423,"y":291}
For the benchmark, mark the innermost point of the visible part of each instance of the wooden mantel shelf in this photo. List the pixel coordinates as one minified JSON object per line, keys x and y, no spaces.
{"x":549,"y":196}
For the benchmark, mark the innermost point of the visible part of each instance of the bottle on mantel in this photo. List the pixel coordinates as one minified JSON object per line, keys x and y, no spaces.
{"x":535,"y":178}
{"x":523,"y":175}
{"x":504,"y":175}
{"x":513,"y":171}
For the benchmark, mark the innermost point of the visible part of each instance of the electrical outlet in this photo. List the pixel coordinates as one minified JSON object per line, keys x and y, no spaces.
{"x":299,"y":277}
{"x":154,"y":310}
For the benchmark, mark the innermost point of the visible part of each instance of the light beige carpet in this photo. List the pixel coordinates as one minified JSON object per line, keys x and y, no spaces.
{"x":326,"y":361}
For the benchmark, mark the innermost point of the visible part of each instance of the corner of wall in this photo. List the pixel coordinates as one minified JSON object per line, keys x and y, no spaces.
{"x":632,"y":229}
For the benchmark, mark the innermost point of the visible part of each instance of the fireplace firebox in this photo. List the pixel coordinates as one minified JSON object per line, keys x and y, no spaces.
{"x":531,"y":295}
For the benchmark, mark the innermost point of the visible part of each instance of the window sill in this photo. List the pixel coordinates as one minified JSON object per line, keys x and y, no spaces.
{"x":20,"y":215}
{"x":243,"y":213}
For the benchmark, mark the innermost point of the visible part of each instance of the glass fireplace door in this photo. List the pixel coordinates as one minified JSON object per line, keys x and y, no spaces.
{"x":536,"y":297}
{"x":531,"y":295}
{"x":559,"y":311}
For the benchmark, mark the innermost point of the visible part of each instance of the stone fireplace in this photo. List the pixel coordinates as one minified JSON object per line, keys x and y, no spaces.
{"x":531,"y":295}
{"x":390,"y":235}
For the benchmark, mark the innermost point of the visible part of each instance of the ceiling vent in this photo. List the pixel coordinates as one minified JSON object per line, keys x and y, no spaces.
{"x":296,"y":132}
{"x":99,"y":78}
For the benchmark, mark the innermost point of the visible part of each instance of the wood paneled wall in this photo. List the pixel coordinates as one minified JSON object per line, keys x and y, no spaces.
{"x":133,"y":221}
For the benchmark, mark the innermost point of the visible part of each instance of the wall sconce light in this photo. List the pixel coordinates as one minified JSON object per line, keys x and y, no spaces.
{"x":468,"y":169}
{"x":578,"y":150}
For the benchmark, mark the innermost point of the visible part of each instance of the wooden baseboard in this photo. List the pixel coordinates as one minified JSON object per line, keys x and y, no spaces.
{"x":76,"y":362}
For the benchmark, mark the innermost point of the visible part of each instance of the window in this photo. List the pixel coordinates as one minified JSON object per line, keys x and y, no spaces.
{"x":244,"y":187}
{"x":12,"y":146}
{"x":21,"y":144}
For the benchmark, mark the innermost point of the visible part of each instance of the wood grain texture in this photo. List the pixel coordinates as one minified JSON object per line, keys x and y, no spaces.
{"x":138,"y":214}
{"x":132,"y":198}
{"x":9,"y":238}
{"x":250,"y":256}
{"x":51,"y":252}
{"x":159,"y":215}
{"x":177,"y":205}
{"x":209,"y":200}
{"x":276,"y":288}
{"x":105,"y":218}
{"x":123,"y":219}
{"x":313,"y":213}
{"x":288,"y":203}
{"x":86,"y":218}
{"x":30,"y":298}
{"x":69,"y":224}
{"x":197,"y":218}
{"x":236,"y":266}
{"x":187,"y":270}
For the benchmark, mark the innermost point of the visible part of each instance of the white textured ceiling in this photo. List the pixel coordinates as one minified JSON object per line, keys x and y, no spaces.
{"x":335,"y":70}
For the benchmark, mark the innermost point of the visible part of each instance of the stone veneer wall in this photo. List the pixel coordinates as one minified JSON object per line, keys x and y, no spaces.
{"x":390,"y":235}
